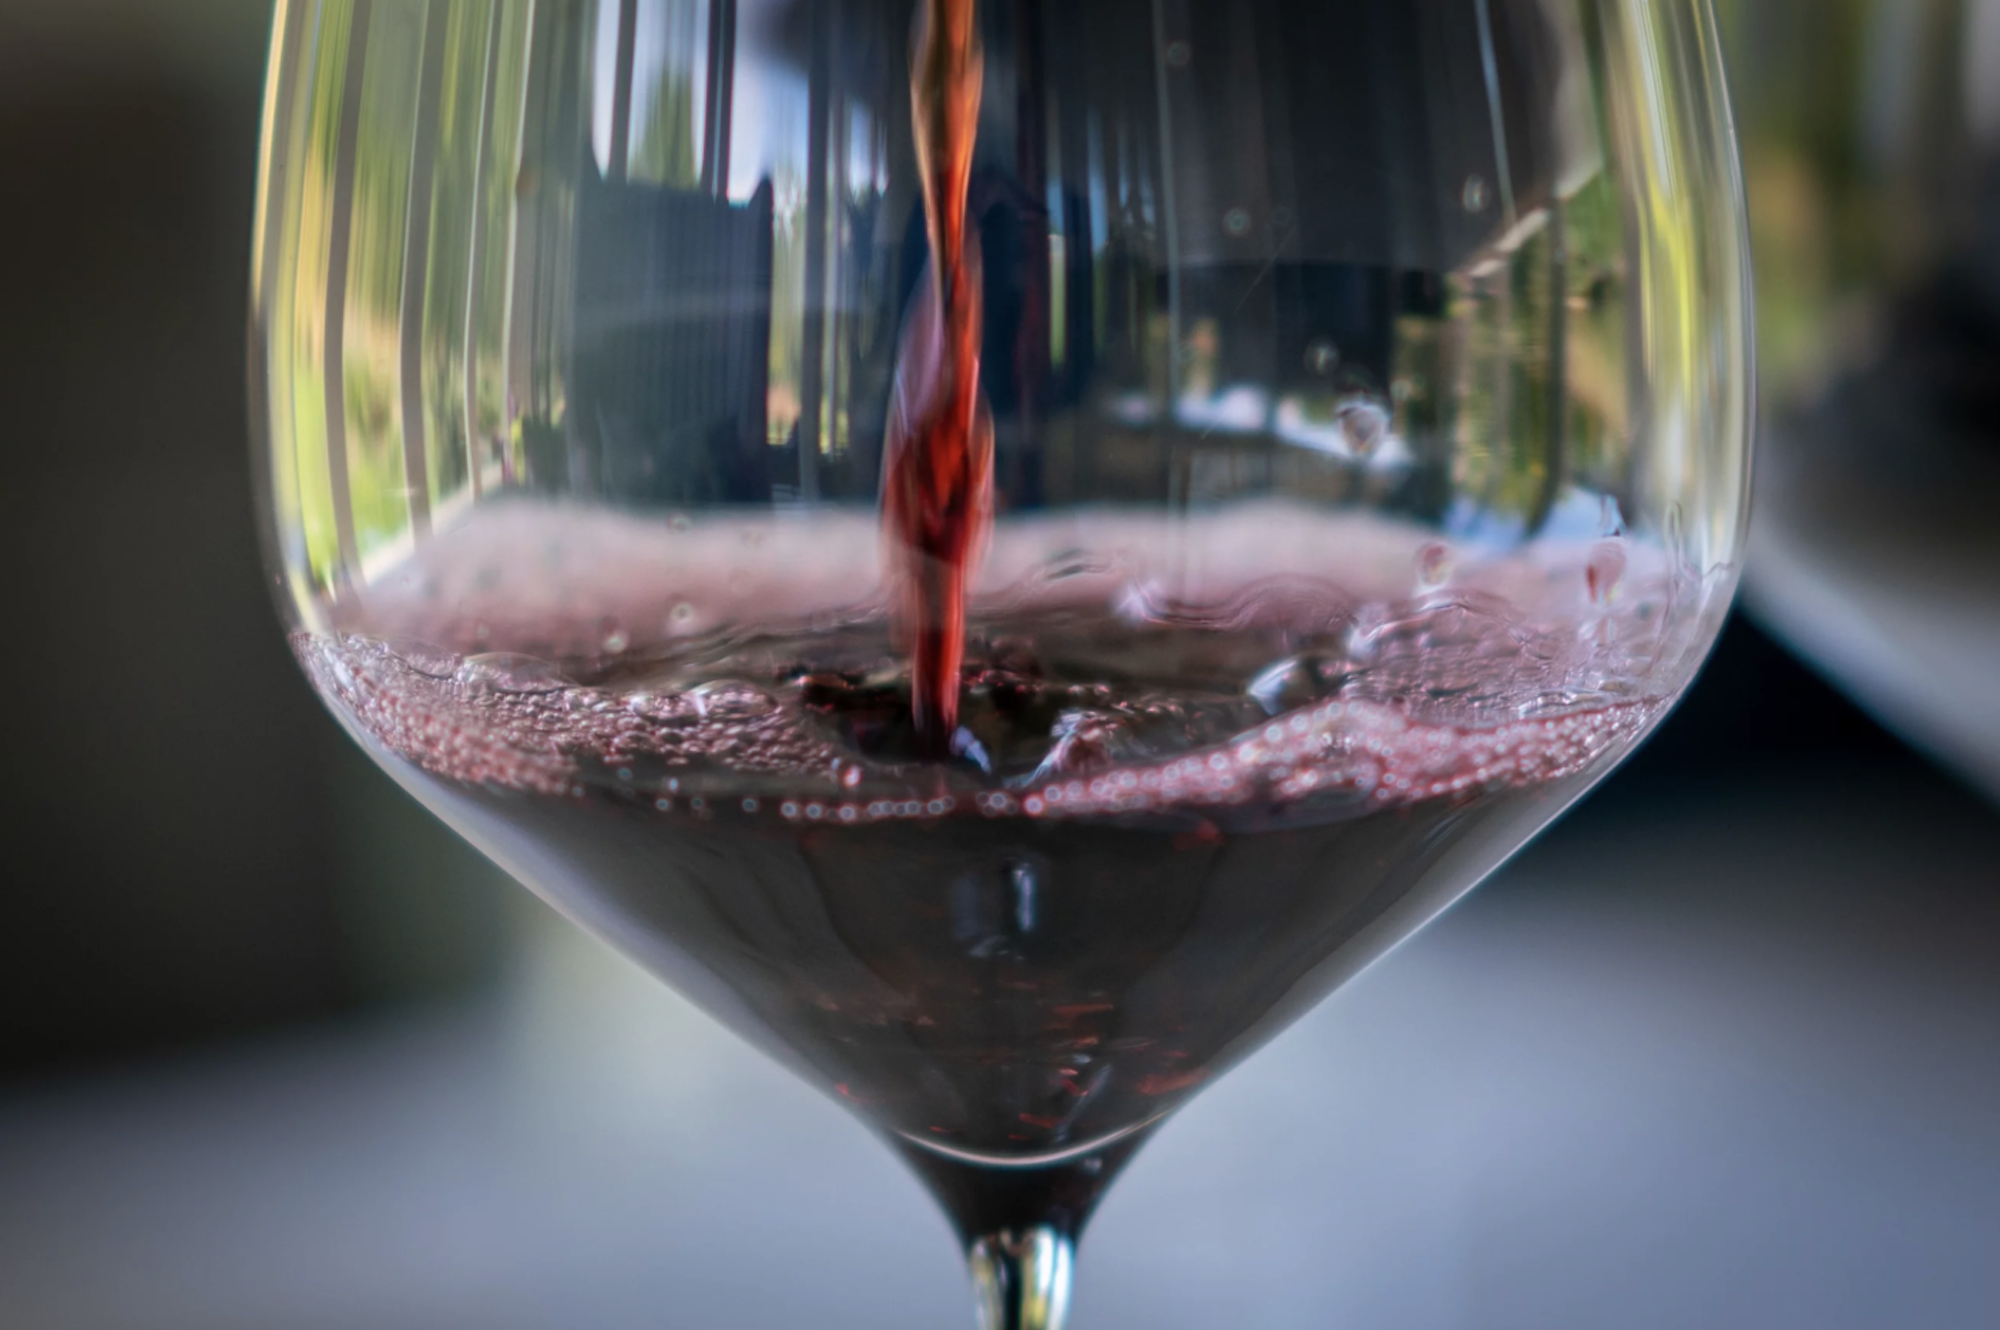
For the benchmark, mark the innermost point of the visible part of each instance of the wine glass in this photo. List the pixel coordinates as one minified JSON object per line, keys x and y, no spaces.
{"x":1872,"y":145}
{"x":1005,"y":548}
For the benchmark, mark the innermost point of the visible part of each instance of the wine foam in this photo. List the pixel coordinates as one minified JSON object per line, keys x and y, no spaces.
{"x":554,"y":649}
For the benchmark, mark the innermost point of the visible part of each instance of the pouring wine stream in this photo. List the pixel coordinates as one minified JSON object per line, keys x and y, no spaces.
{"x":1020,"y":1225}
{"x":937,"y":482}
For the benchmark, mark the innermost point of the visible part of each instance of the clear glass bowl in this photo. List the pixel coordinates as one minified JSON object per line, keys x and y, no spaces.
{"x":1357,"y":468}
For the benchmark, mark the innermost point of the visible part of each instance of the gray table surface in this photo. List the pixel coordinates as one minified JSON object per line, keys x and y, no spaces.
{"x":1734,"y":1063}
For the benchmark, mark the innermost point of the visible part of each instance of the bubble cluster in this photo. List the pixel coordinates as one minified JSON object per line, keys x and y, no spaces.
{"x":517,"y":723}
{"x":1341,"y":748}
{"x":1434,"y":699}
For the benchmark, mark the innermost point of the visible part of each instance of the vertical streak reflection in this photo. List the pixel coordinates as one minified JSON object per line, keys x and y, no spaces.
{"x":1168,"y":203}
{"x":812,"y":369}
{"x":620,"y":156}
{"x":339,"y":246}
{"x":1489,"y":64}
{"x":513,"y":332}
{"x":416,"y":266}
{"x":721,"y":85}
{"x":476,"y":263}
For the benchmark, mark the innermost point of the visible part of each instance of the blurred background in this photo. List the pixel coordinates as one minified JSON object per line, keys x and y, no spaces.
{"x":281,"y":1052}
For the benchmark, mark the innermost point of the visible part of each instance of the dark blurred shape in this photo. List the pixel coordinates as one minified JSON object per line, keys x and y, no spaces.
{"x":673,"y":327}
{"x":1872,"y":153}
{"x":179,"y":815}
{"x":1754,"y":704}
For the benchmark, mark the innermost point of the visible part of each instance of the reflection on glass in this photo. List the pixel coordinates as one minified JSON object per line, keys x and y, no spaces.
{"x":1362,"y":386}
{"x":1328,"y":336}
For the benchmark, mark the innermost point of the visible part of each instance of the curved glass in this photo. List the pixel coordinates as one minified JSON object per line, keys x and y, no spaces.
{"x":1872,"y":142}
{"x":1005,"y":548}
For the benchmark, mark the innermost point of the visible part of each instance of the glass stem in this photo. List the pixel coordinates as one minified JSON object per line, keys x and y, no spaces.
{"x":1021,"y":1278}
{"x":1020,"y":1224}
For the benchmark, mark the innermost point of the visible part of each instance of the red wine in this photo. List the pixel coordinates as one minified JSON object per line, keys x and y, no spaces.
{"x":937,"y":484}
{"x":1184,"y":805}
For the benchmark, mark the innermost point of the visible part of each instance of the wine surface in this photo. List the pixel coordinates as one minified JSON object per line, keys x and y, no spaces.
{"x":1183,"y":804}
